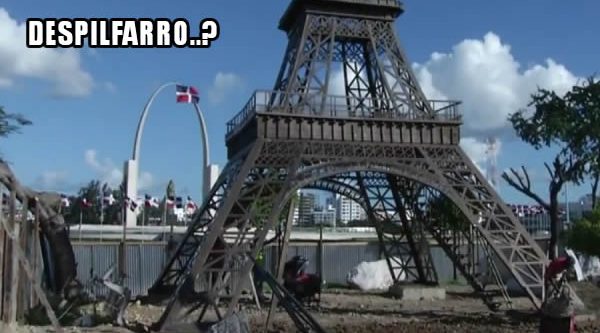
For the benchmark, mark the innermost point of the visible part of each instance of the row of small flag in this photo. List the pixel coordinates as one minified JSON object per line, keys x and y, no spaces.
{"x":149,"y":201}
{"x":529,"y":210}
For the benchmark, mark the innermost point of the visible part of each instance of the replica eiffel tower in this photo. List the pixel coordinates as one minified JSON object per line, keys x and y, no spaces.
{"x":377,"y":140}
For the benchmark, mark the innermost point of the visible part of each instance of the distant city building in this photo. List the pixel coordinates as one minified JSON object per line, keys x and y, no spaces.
{"x":330,"y":201}
{"x":325,"y":217}
{"x":306,"y":207}
{"x":348,"y":210}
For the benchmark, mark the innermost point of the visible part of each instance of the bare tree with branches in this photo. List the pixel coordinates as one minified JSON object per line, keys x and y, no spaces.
{"x":569,"y":122}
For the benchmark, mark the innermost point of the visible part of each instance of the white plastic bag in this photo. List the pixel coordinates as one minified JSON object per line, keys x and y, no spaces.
{"x":373,"y":275}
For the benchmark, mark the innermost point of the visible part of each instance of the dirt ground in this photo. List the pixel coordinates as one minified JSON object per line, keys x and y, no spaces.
{"x":353,"y":311}
{"x":345,"y":310}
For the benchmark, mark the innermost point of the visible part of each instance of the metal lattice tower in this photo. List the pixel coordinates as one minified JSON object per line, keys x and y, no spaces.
{"x":380,"y":142}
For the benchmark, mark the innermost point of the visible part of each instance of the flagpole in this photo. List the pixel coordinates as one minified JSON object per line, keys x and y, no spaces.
{"x":164,"y":213}
{"x":101,"y":217}
{"x":80,"y":221}
{"x":122,"y":255}
{"x":144,"y":221}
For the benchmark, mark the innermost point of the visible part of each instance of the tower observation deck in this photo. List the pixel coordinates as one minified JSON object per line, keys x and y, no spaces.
{"x":350,"y":41}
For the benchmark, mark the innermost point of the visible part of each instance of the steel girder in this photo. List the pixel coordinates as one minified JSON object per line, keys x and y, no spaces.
{"x":340,"y":184}
{"x":463,"y":244}
{"x":404,"y":247}
{"x":450,"y":171}
{"x":375,"y":68}
{"x":272,"y":171}
{"x":402,"y":242}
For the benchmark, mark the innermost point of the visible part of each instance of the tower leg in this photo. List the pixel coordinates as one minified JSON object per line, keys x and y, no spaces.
{"x":406,"y":195}
{"x":400,"y":238}
{"x":255,"y":199}
{"x":282,"y":257}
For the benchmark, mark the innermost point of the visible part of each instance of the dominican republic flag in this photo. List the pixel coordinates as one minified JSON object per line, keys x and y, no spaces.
{"x":108,"y":199}
{"x":187,"y":94}
{"x":178,"y":202}
{"x":150,"y":201}
{"x":170,"y":201}
{"x":132,"y":204}
{"x":85,"y":203}
{"x":64,"y":201}
{"x":190,"y":205}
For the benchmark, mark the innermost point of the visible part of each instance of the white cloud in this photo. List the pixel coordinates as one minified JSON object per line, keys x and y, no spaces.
{"x":488,"y":79}
{"x":62,"y":67}
{"x":476,"y":150}
{"x":109,"y":173}
{"x":224,"y":84}
{"x":479,"y":151}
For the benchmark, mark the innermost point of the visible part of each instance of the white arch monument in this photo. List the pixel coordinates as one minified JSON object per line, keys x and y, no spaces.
{"x":131,"y":172}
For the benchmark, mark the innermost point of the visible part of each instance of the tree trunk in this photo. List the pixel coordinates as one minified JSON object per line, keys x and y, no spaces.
{"x":554,"y":226}
{"x":595,"y":182}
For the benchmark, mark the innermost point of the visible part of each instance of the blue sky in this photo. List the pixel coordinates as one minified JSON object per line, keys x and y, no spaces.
{"x":480,"y":46}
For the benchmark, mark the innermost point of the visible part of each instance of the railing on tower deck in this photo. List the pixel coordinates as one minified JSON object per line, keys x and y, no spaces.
{"x":391,"y":3}
{"x":335,"y":106}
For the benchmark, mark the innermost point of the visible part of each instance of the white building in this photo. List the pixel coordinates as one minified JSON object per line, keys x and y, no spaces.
{"x":348,"y":209}
{"x":325,"y":217}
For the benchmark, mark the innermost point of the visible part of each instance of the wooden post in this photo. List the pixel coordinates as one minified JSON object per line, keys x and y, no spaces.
{"x":35,"y":251}
{"x":19,"y":258}
{"x":13,"y":276}
{"x":23,"y":289}
{"x":281,"y":263}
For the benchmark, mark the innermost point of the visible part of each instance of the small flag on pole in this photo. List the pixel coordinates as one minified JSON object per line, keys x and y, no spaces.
{"x":131,"y":204}
{"x":190,"y":206}
{"x":85,"y":203}
{"x":109,"y":199}
{"x":187,"y":94}
{"x":170,"y":201}
{"x":64,"y":201}
{"x":150,"y":201}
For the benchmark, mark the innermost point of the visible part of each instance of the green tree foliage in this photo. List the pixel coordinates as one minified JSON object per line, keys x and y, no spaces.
{"x":92,"y":192}
{"x":11,"y":123}
{"x":568,"y":123}
{"x":112,"y":213}
{"x":584,"y":236}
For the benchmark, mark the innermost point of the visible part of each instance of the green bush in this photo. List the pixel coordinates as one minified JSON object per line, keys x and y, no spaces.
{"x":584,"y":236}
